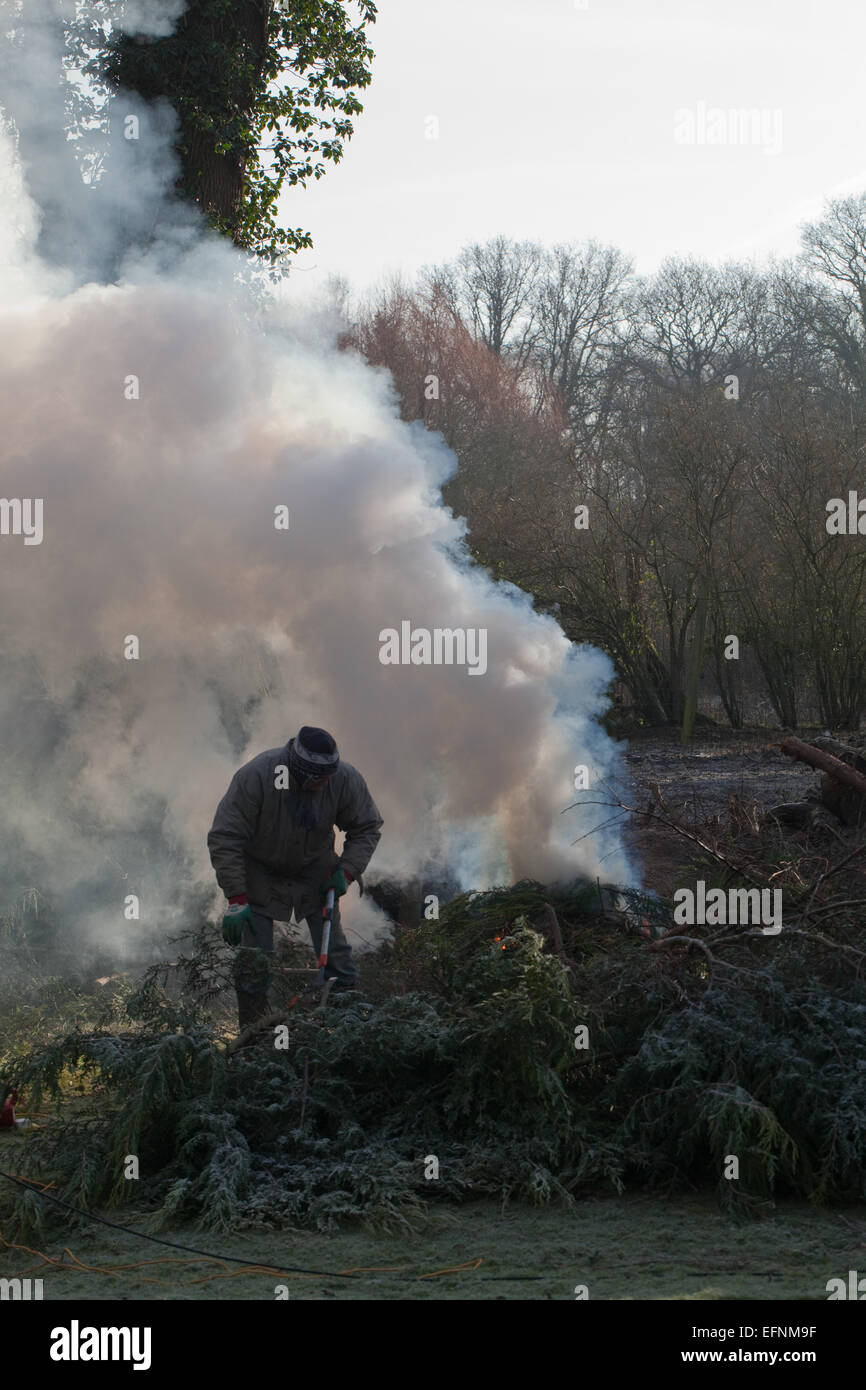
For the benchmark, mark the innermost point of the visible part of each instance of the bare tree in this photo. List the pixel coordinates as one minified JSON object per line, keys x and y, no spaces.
{"x":696,"y":323}
{"x":579,"y":312}
{"x":833,"y":295}
{"x":707,"y":506}
{"x":492,"y":286}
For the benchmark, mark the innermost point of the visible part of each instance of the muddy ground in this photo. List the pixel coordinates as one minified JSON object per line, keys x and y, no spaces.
{"x":698,"y":782}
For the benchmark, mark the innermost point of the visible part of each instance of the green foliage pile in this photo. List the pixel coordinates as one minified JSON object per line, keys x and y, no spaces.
{"x":477,"y":1066}
{"x":772,"y":1075}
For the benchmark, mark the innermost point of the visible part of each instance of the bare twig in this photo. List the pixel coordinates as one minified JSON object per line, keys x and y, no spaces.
{"x":838,"y":903}
{"x":556,"y":933}
{"x":825,"y":941}
{"x":828,"y":873}
{"x":696,"y":839}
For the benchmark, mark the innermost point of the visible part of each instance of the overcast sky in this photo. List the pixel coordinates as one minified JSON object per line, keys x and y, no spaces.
{"x":558,"y":122}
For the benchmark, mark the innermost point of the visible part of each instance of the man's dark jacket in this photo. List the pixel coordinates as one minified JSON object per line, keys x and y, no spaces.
{"x":257,"y":848}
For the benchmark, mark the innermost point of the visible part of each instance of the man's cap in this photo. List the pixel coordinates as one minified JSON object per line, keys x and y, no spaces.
{"x":313,"y":754}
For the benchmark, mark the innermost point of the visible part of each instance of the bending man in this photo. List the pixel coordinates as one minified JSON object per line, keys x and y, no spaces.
{"x":272,"y":848}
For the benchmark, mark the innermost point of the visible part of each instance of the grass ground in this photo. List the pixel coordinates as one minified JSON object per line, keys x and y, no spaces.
{"x":621,"y":1248}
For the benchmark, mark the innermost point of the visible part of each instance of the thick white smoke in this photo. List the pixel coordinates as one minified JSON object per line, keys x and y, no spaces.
{"x":163,"y":420}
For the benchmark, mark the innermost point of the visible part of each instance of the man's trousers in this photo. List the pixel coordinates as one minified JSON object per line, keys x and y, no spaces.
{"x":253,"y":961}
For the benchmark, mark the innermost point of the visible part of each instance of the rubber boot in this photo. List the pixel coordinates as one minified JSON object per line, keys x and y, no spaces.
{"x":251,"y":1007}
{"x":252,"y":978}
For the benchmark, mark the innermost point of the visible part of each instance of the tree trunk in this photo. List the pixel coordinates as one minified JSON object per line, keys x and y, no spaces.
{"x":214,"y":181}
{"x":236,"y":38}
{"x":690,"y":707}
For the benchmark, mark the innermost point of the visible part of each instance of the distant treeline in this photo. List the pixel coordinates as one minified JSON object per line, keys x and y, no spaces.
{"x":705,"y":418}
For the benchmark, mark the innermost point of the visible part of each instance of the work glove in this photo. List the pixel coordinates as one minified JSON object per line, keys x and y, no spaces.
{"x":233,"y":921}
{"x":339,"y":881}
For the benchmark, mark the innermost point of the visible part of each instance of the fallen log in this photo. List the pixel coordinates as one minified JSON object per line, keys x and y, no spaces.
{"x":843,"y":751}
{"x":816,"y":757}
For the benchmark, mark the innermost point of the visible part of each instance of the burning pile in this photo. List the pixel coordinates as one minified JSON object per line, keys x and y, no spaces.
{"x":572,"y":1060}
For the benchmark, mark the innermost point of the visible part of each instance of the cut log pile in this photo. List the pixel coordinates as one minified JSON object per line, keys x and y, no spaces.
{"x":843,"y":784}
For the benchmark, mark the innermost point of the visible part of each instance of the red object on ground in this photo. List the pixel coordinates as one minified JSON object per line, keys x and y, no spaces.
{"x":7,"y":1115}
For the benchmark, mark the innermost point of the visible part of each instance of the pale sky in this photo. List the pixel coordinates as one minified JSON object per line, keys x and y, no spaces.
{"x":557,"y":123}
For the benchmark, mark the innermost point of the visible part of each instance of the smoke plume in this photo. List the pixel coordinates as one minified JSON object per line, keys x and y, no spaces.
{"x":167,"y":625}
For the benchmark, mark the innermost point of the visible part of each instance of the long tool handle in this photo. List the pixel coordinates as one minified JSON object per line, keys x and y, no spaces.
{"x":327,"y":910}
